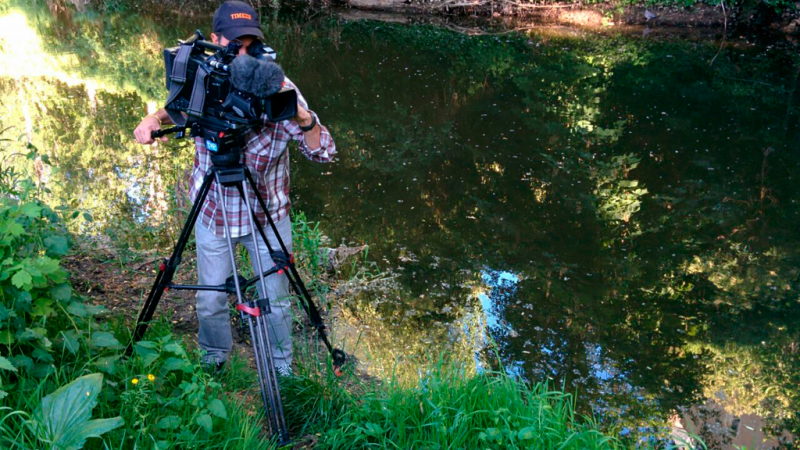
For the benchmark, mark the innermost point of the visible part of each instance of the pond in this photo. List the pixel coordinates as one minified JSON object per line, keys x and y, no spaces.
{"x":609,"y":212}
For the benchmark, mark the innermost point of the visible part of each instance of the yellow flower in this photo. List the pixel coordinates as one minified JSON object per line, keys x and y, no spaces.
{"x":135,"y":381}
{"x":151,"y":377}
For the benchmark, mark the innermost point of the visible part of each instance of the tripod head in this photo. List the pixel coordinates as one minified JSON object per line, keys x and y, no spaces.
{"x":223,"y":139}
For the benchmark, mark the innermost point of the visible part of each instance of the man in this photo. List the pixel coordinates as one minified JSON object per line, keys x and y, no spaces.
{"x":267,"y":158}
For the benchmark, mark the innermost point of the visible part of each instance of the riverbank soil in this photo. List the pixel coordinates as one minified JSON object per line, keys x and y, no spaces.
{"x":756,"y":18}
{"x":724,"y":17}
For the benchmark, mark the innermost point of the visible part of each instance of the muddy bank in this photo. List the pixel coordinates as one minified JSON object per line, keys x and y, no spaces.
{"x":555,"y":14}
{"x":700,"y":16}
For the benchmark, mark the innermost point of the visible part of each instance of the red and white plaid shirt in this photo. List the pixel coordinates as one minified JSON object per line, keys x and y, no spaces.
{"x":266,"y":155}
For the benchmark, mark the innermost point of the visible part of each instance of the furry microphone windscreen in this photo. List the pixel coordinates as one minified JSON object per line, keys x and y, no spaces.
{"x":257,"y":76}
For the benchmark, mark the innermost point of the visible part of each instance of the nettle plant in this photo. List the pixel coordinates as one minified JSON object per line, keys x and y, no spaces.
{"x":40,"y":315}
{"x":34,"y":288}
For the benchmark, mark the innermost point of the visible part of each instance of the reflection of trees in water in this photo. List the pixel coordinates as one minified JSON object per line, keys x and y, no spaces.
{"x":608,"y":251}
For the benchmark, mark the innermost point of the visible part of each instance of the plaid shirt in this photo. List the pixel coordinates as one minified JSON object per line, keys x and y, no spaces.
{"x":266,"y":155}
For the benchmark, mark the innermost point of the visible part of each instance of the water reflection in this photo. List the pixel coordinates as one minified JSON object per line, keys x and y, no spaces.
{"x":612,"y":214}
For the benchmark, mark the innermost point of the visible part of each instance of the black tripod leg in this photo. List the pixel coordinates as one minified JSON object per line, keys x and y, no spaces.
{"x":167,"y":271}
{"x":338,"y":356}
{"x":270,"y":394}
{"x":266,"y":349}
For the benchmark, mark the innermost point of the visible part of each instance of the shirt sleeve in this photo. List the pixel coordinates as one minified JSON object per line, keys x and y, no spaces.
{"x":327,"y":148}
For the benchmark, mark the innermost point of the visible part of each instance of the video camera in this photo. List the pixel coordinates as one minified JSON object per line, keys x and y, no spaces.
{"x":214,"y":93}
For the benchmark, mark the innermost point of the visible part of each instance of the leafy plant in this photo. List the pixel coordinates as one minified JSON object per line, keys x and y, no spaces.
{"x":33,"y":285}
{"x":63,"y":421}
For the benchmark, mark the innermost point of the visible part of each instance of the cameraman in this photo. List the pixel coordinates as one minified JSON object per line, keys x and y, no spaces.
{"x":266,"y":156}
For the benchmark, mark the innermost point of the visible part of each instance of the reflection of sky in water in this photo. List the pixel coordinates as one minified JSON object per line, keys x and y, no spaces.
{"x":500,"y":287}
{"x":503,"y":285}
{"x":136,"y":194}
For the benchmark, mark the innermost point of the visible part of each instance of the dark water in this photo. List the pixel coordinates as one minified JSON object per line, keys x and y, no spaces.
{"x":608,"y":212}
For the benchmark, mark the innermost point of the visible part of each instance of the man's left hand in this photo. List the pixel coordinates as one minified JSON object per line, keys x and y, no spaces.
{"x":303,"y":117}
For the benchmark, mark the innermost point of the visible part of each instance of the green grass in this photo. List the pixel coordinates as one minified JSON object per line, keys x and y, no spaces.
{"x":446,"y":409}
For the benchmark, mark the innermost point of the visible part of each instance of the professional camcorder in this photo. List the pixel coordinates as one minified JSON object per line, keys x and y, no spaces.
{"x":214,"y":93}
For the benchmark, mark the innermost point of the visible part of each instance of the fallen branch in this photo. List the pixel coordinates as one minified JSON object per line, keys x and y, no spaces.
{"x":460,"y":5}
{"x":501,"y":2}
{"x":537,"y":5}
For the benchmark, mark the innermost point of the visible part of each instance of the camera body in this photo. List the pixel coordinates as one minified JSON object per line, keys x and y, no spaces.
{"x":203,"y":98}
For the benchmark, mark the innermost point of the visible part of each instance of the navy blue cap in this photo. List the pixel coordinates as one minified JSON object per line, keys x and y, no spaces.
{"x":234,"y":19}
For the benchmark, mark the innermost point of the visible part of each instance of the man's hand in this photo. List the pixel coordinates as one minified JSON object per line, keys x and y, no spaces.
{"x":146,"y":127}
{"x":303,"y":117}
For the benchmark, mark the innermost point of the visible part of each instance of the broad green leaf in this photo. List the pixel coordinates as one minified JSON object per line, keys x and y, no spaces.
{"x":85,"y":310}
{"x":22,"y":279}
{"x":175,"y":348}
{"x":169,"y":423}
{"x":148,"y":354}
{"x":174,"y":364}
{"x":6,"y":365}
{"x":46,"y":265}
{"x":42,"y":370}
{"x":104,"y":339}
{"x":6,"y":313}
{"x":77,"y":309}
{"x":24,"y":299}
{"x":70,"y":340}
{"x":146,"y":344}
{"x":492,"y":434}
{"x":526,"y":433}
{"x":14,"y":229}
{"x":40,"y":354}
{"x":42,"y":307}
{"x":205,"y":421}
{"x":87,"y":217}
{"x":6,"y":337}
{"x":56,"y":245}
{"x":217,"y":408}
{"x":22,"y":362}
{"x":107,"y":364}
{"x":31,"y":210}
{"x":3,"y":394}
{"x":63,"y":420}
{"x":31,"y":334}
{"x":95,"y":309}
{"x":61,"y":292}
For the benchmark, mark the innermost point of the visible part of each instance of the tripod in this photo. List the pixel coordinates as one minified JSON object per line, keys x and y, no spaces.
{"x":228,"y":171}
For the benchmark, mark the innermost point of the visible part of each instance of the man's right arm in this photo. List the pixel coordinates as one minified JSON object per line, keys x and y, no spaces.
{"x":150,"y":123}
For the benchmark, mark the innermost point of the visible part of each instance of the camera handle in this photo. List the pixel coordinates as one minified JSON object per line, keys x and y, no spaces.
{"x":181,"y":131}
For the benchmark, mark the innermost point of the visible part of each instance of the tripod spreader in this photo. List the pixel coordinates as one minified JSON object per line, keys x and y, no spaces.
{"x":229,"y":287}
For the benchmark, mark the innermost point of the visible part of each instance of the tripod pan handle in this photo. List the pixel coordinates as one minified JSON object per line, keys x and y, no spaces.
{"x":176,"y":129}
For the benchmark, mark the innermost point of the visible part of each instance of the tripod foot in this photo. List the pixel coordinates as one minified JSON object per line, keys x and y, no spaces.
{"x":339,"y":359}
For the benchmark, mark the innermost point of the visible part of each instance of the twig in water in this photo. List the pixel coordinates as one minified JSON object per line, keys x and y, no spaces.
{"x":724,"y":33}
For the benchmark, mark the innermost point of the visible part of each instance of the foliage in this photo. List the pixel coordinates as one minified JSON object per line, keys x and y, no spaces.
{"x":34,"y":288}
{"x":52,"y":345}
{"x":618,"y":197}
{"x":63,"y":422}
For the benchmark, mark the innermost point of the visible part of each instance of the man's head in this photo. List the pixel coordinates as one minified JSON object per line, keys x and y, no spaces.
{"x":236,"y":20}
